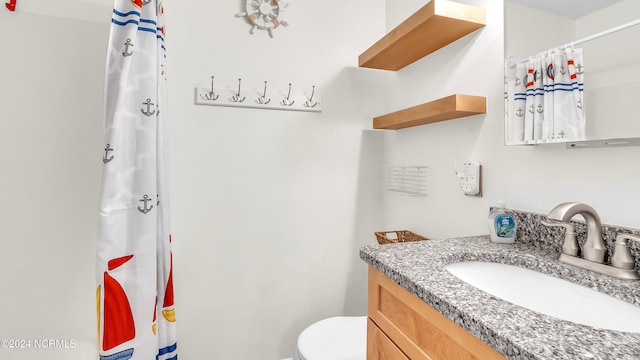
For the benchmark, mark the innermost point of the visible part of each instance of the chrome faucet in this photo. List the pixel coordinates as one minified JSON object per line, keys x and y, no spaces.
{"x":593,"y":249}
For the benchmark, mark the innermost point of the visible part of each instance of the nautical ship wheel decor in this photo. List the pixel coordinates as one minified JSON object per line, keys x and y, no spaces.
{"x":264,"y":14}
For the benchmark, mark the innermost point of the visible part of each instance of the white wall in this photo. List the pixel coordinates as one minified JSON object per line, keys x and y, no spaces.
{"x":270,"y":207}
{"x":613,"y":69}
{"x":520,"y":38}
{"x":528,"y":178}
{"x":87,"y":10}
{"x":51,"y":85}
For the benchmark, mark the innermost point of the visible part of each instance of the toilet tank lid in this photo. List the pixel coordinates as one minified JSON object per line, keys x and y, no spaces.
{"x":339,"y":338}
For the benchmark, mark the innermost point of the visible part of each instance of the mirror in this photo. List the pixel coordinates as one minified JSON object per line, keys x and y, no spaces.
{"x":611,"y":62}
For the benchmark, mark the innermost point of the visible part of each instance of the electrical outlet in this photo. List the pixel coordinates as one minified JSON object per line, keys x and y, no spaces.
{"x":470,"y":178}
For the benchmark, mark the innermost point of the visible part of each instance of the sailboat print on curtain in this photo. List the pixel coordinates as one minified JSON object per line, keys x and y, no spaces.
{"x":119,"y":325}
{"x":134,"y":259}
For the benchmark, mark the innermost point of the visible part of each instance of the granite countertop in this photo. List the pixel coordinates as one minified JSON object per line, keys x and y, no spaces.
{"x":514,"y":331}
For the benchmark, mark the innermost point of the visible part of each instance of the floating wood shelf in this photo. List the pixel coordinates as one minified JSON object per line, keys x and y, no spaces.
{"x":434,"y":26}
{"x":450,"y":107}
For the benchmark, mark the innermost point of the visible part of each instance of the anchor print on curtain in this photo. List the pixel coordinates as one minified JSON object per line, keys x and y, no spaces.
{"x":134,"y":297}
{"x":544,"y":98}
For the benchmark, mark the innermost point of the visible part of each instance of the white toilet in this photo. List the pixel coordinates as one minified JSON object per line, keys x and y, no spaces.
{"x":336,"y":338}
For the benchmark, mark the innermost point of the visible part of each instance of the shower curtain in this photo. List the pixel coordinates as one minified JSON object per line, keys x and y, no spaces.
{"x":135,"y":306}
{"x":544,"y":98}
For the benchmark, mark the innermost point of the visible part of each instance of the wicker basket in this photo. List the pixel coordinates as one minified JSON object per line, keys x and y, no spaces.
{"x":400,"y":236}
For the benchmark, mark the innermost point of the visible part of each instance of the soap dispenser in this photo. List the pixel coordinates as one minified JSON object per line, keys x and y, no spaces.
{"x":502,"y":225}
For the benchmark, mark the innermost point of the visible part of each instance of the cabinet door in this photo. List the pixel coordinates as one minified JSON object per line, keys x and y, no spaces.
{"x":419,"y":330}
{"x":379,"y":347}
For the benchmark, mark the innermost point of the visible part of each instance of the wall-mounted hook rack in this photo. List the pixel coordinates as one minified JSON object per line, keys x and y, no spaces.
{"x":212,"y":96}
{"x":310,"y":103}
{"x":238,"y":98}
{"x":11,"y":5}
{"x":257,"y":98}
{"x":288,"y":101}
{"x":263,"y":99}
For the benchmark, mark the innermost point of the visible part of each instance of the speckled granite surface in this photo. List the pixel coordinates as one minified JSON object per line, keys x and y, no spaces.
{"x":532,"y":232}
{"x":516,"y":332}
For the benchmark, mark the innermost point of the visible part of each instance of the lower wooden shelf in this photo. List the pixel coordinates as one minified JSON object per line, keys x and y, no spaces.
{"x":450,"y":107}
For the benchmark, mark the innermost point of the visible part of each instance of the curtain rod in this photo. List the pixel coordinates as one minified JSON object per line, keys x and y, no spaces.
{"x":589,"y":38}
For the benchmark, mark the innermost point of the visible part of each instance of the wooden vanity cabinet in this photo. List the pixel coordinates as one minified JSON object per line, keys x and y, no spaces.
{"x":379,"y":346}
{"x":401,"y":326}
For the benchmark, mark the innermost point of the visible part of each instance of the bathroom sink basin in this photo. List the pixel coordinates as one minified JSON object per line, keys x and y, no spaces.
{"x":549,"y":295}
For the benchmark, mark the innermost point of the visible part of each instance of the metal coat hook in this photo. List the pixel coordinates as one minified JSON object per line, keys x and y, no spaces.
{"x":287,"y":101}
{"x":211,"y":95}
{"x":310,"y":102}
{"x":11,"y":5}
{"x":237,"y":97}
{"x":263,"y":99}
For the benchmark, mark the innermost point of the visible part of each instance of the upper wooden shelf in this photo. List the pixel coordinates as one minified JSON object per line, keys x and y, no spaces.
{"x":450,"y":107}
{"x":434,"y":26}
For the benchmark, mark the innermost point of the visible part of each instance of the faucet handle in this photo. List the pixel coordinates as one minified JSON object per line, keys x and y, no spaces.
{"x":570,"y":245}
{"x":622,"y":258}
